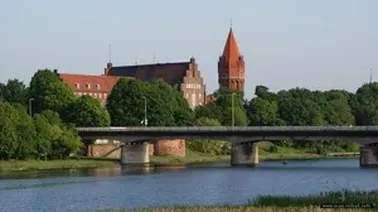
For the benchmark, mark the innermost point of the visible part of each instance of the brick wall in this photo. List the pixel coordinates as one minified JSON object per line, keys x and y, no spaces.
{"x":170,"y":147}
{"x":104,"y":150}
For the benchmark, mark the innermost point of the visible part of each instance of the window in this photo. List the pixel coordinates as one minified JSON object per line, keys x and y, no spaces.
{"x":79,"y":93}
{"x":75,"y":93}
{"x":100,"y":95}
{"x":194,"y":102}
{"x":105,"y":95}
{"x":98,"y":86}
{"x":89,"y":86}
{"x":84,"y":94}
{"x":77,"y":85}
{"x":95,"y":95}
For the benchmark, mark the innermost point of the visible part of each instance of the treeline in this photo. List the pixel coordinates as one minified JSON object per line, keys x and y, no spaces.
{"x":47,"y":94}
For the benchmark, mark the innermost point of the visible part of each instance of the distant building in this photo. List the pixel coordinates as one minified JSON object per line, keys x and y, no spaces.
{"x":183,"y":76}
{"x":98,"y":87}
{"x":231,"y":65}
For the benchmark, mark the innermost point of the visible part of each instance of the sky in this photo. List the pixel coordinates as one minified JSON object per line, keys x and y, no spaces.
{"x":314,"y":44}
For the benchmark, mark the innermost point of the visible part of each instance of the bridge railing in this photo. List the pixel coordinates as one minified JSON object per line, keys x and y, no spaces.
{"x":229,"y":128}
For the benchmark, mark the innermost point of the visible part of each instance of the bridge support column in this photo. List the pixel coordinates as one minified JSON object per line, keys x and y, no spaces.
{"x":245,"y":155}
{"x":369,"y":156}
{"x":135,"y":153}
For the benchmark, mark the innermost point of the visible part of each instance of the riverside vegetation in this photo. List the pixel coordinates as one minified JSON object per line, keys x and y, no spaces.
{"x":48,"y":133}
{"x":310,"y":203}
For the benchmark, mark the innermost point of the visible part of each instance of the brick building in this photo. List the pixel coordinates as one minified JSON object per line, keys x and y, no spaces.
{"x":231,"y":65}
{"x":183,"y":76}
{"x":99,"y":87}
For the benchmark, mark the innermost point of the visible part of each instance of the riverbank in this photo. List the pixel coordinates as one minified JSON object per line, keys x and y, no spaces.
{"x":281,"y":154}
{"x":239,"y":209}
{"x":361,"y":200}
{"x":30,"y":165}
{"x":191,"y":158}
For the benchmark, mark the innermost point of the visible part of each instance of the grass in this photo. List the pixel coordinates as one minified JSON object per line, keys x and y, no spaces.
{"x":343,"y":196}
{"x":310,"y":203}
{"x":283,"y":153}
{"x":28,"y":165}
{"x":238,"y":209}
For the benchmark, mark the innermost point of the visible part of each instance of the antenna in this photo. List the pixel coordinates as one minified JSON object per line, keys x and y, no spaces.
{"x":154,"y":58}
{"x":371,"y":75}
{"x":230,"y":23}
{"x":110,"y":53}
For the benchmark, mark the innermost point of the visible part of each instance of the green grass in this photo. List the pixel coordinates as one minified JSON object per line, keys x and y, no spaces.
{"x":190,"y":158}
{"x":283,"y":153}
{"x":310,"y":203}
{"x":237,"y":209}
{"x":27,"y":165}
{"x":343,"y":196}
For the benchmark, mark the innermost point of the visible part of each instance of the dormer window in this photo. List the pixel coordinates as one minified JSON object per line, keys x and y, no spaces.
{"x":98,"y":86}
{"x":77,"y":85}
{"x":89,"y":86}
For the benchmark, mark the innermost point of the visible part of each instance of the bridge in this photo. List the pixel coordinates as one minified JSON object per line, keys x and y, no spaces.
{"x":244,"y":149}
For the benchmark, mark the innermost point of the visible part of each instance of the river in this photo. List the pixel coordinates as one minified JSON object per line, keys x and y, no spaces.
{"x":130,"y":187}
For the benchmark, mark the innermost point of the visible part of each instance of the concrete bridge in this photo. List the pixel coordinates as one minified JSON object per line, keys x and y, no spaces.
{"x":244,"y":149}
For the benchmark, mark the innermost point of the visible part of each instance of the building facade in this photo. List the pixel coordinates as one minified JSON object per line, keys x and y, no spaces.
{"x":184,"y":76}
{"x":98,"y":87}
{"x":231,"y":65}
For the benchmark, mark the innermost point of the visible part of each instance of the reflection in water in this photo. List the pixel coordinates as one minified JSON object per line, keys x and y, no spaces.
{"x":134,"y":186}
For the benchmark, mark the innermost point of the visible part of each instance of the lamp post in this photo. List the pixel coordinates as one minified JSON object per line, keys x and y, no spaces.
{"x":232,"y":110}
{"x":145,"y":111}
{"x":30,"y":107}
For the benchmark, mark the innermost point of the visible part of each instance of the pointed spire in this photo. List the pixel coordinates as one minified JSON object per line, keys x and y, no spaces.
{"x":231,"y":49}
{"x":371,"y":76}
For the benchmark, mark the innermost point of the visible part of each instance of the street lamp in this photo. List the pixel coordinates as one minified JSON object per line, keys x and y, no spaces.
{"x":30,"y":107}
{"x":232,"y":109}
{"x":145,"y":111}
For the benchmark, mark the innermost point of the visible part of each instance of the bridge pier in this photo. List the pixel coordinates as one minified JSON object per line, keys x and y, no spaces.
{"x":369,"y":156}
{"x":245,"y":155}
{"x":135,"y":153}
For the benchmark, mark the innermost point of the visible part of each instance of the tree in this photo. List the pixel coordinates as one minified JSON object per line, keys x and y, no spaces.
{"x":49,"y":92}
{"x":206,"y":146}
{"x":14,"y":91}
{"x":17,"y":134}
{"x":44,"y":138}
{"x":87,"y":112}
{"x":183,"y":115}
{"x":262,"y":112}
{"x":125,"y":103}
{"x":366,"y":104}
{"x":165,"y":105}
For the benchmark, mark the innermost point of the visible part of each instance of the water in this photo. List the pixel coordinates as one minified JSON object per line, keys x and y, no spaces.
{"x":127,"y":187}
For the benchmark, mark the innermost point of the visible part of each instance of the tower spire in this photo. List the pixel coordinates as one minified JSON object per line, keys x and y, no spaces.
{"x":371,"y":75}
{"x":230,"y":23}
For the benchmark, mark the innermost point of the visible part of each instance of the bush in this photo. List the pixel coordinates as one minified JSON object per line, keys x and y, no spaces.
{"x":273,"y":149}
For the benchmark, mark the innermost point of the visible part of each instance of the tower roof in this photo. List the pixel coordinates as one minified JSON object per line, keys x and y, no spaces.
{"x":231,"y":49}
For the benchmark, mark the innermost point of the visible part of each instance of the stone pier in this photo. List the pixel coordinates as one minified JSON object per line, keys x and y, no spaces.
{"x":245,"y":155}
{"x":135,"y":153}
{"x":369,"y":156}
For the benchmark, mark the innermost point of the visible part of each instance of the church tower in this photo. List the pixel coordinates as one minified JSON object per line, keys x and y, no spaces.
{"x":231,"y":65}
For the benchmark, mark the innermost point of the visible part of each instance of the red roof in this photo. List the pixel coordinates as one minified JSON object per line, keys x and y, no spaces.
{"x":93,"y":83}
{"x":231,"y":49}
